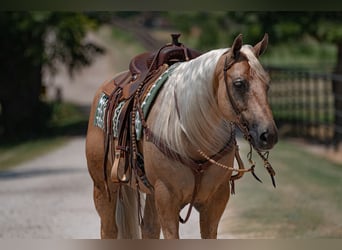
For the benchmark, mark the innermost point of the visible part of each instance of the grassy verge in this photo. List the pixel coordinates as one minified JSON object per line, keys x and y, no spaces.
{"x":11,"y":155}
{"x":307,"y":202}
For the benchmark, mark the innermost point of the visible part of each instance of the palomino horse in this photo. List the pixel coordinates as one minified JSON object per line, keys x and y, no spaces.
{"x":193,"y":118}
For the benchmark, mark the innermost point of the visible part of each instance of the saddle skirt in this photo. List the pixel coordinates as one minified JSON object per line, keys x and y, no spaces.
{"x":152,"y":89}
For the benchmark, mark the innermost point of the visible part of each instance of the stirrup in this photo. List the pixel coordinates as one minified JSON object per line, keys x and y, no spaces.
{"x":115,"y":169}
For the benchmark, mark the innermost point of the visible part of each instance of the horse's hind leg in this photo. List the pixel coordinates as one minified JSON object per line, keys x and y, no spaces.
{"x":212,"y":210}
{"x":106,"y":210}
{"x":151,"y":226}
{"x":105,"y":207}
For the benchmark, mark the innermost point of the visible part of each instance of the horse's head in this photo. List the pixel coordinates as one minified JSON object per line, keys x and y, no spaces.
{"x":242,"y":85}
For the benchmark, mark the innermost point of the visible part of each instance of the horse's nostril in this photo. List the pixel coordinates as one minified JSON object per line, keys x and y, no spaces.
{"x":264,"y":137}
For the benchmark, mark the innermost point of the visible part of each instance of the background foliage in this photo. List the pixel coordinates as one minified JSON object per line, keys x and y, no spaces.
{"x":33,"y":41}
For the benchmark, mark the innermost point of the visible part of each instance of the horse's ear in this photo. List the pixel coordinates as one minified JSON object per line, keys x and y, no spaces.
{"x":261,"y":46}
{"x":237,"y":44}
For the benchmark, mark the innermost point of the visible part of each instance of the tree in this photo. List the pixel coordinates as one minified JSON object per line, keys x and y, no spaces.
{"x":29,"y":41}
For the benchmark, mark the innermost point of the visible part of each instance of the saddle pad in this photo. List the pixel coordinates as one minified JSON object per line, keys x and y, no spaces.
{"x":99,"y":119}
{"x":145,"y":105}
{"x":100,"y":111}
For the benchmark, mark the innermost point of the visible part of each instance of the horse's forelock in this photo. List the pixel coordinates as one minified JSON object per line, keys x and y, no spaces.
{"x":256,"y":68}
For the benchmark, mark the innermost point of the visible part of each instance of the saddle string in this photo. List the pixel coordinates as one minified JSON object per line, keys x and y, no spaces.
{"x":108,"y":134}
{"x":137,"y":107}
{"x":144,"y":77}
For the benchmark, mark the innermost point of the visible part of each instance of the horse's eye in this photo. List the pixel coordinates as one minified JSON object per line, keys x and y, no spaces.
{"x":240,"y":84}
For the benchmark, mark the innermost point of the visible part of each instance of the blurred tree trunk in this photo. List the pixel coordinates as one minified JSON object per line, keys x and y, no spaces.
{"x":21,"y":105}
{"x":21,"y":76}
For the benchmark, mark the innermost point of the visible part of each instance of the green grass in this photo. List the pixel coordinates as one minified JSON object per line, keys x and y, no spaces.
{"x":11,"y":155}
{"x":307,"y":202}
{"x":67,"y":119}
{"x":310,"y":55}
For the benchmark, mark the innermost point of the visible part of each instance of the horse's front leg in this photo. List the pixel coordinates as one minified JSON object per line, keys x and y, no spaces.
{"x":151,"y":226}
{"x":212,"y":210}
{"x":168,"y":209}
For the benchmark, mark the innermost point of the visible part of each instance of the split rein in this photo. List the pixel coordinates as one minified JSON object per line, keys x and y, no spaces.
{"x":241,"y":170}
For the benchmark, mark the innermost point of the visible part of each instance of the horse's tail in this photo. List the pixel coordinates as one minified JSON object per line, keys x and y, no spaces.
{"x":127,"y":214}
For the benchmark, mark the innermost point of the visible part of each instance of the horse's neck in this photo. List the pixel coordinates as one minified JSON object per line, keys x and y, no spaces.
{"x":189,"y":118}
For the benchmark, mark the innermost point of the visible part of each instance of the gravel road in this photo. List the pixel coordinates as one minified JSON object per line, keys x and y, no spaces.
{"x":49,"y":197}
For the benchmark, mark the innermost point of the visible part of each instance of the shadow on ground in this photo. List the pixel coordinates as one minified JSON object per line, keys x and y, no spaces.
{"x":13,"y":174}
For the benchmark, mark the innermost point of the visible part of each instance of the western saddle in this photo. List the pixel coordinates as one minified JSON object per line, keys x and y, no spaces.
{"x":130,"y":87}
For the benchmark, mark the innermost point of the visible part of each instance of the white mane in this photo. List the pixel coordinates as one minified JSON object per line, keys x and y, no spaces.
{"x":190,"y":87}
{"x":254,"y":63}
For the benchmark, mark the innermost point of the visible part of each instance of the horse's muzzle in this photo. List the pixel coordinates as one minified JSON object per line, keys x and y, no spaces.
{"x":264,"y":138}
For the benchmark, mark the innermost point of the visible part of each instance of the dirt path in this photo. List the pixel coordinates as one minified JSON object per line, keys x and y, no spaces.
{"x":49,"y":197}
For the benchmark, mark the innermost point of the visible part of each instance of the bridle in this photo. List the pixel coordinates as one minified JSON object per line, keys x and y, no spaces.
{"x":238,"y":111}
{"x":243,"y":126}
